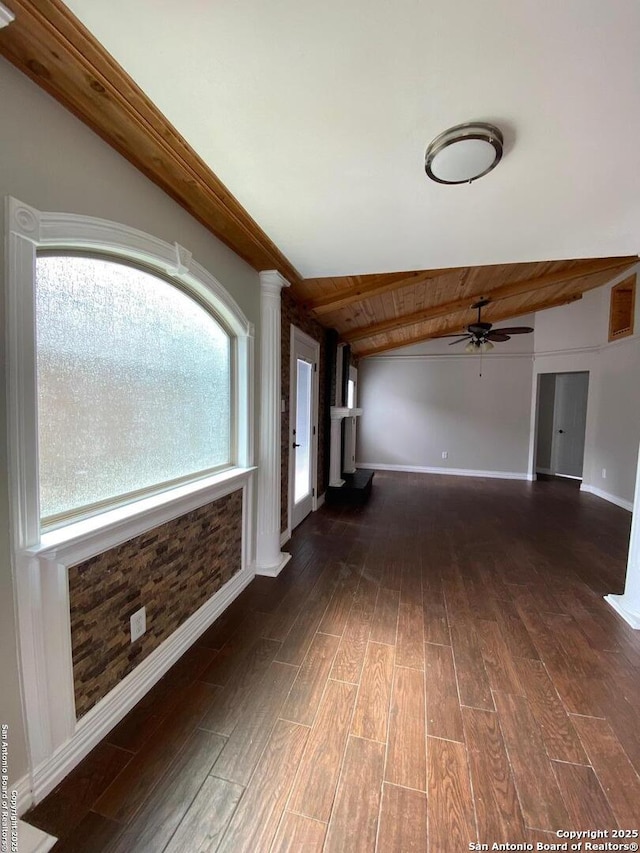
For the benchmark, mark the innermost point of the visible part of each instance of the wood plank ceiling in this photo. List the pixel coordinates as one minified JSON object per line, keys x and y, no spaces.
{"x":372,"y":312}
{"x":375,"y":313}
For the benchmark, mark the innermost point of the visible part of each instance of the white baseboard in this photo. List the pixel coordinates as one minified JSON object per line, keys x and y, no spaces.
{"x":99,"y":721}
{"x":454,"y":472}
{"x":285,"y":536}
{"x":320,"y":500}
{"x":25,"y":794}
{"x":625,"y":608}
{"x":607,"y":496}
{"x":32,"y":840}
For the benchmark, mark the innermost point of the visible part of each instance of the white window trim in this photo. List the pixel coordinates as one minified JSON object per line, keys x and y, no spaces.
{"x":40,"y":562}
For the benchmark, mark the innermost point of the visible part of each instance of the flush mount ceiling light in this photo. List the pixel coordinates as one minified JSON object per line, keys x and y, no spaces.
{"x":464,"y":153}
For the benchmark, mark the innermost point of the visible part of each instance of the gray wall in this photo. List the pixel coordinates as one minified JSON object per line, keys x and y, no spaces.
{"x":421,"y":401}
{"x":544,"y":437}
{"x":51,"y":161}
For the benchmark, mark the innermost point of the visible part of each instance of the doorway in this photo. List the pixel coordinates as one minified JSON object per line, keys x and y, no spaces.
{"x":561,"y":424}
{"x":303,"y":425}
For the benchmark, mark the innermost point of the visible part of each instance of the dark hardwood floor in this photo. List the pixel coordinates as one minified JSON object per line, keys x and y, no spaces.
{"x":433,"y":669}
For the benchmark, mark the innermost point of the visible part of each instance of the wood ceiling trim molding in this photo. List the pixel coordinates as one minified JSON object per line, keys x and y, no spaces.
{"x":541,"y":305}
{"x":516,"y":288}
{"x":50,"y":45}
{"x":373,"y":285}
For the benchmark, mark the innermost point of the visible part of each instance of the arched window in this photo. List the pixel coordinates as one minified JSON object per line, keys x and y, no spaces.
{"x":134,"y":381}
{"x":130,"y":381}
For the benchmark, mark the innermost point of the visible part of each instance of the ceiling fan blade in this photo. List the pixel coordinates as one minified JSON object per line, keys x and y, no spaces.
{"x":464,"y":338}
{"x":514,"y":330}
{"x":497,"y":336}
{"x":437,"y":337}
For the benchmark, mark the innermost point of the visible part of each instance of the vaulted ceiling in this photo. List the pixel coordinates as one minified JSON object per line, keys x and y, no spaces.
{"x":296,"y":133}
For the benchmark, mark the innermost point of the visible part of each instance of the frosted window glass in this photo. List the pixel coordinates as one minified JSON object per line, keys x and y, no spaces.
{"x":133,"y":383}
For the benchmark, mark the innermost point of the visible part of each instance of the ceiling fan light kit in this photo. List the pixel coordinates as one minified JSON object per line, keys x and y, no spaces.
{"x":464,"y":153}
{"x":480,"y":337}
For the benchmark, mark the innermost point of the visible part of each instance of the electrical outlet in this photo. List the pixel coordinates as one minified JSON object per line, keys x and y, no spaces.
{"x":445,"y":454}
{"x":604,"y":473}
{"x":138,"y":623}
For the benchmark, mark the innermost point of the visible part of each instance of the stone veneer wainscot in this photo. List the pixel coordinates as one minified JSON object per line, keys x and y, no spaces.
{"x":171,"y":570}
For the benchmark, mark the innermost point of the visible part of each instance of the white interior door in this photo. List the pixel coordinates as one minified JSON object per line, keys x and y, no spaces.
{"x":303,"y":425}
{"x":569,"y":423}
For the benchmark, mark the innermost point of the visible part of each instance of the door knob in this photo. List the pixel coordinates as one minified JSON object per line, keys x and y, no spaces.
{"x":560,"y":430}
{"x":295,"y":445}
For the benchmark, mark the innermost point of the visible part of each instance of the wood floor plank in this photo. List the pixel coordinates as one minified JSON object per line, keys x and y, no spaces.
{"x":411,"y":586}
{"x":371,"y":716}
{"x":449,"y":800}
{"x":436,"y":625}
{"x":558,"y":733}
{"x":349,"y":659}
{"x":299,"y":834}
{"x":255,"y":820}
{"x":71,"y":801}
{"x":303,"y":700}
{"x":301,"y":635}
{"x":410,"y":642}
{"x":132,"y":786}
{"x":455,"y":596}
{"x":583,"y":796}
{"x":384,"y":624}
{"x":208,"y":817}
{"x":617,"y":776}
{"x":313,"y":578}
{"x":337,"y":612}
{"x":441,"y":693}
{"x":473,"y":682}
{"x":242,"y":687}
{"x":406,"y":758}
{"x":315,"y":784}
{"x":392,"y":574}
{"x":403,"y":821}
{"x":93,"y":833}
{"x":232,"y":655}
{"x":141,"y":722}
{"x":580,"y":695}
{"x":538,"y":792}
{"x":153,"y":825}
{"x":244,"y":747}
{"x":583,"y":659}
{"x":514,"y":632}
{"x":497,"y":808}
{"x":354,"y":819}
{"x":498,"y":662}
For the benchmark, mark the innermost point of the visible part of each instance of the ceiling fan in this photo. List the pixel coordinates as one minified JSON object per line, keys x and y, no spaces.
{"x":480,"y":336}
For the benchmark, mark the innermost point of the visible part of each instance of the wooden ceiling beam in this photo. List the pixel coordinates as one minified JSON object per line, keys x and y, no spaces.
{"x":50,"y":45}
{"x":372,"y":285}
{"x":542,"y":305}
{"x":516,"y":288}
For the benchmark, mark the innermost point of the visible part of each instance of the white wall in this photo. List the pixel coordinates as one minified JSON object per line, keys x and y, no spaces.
{"x":51,"y":161}
{"x":422,"y":400}
{"x":574,"y":337}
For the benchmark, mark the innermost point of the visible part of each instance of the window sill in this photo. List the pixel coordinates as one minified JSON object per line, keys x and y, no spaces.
{"x":82,"y":540}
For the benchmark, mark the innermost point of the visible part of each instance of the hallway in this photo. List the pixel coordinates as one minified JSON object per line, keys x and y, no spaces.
{"x":434,"y":669}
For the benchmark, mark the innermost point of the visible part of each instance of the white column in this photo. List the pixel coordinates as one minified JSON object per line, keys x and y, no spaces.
{"x":628,"y":604}
{"x":269,"y":558}
{"x":349,"y":463}
{"x":335,"y":449}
